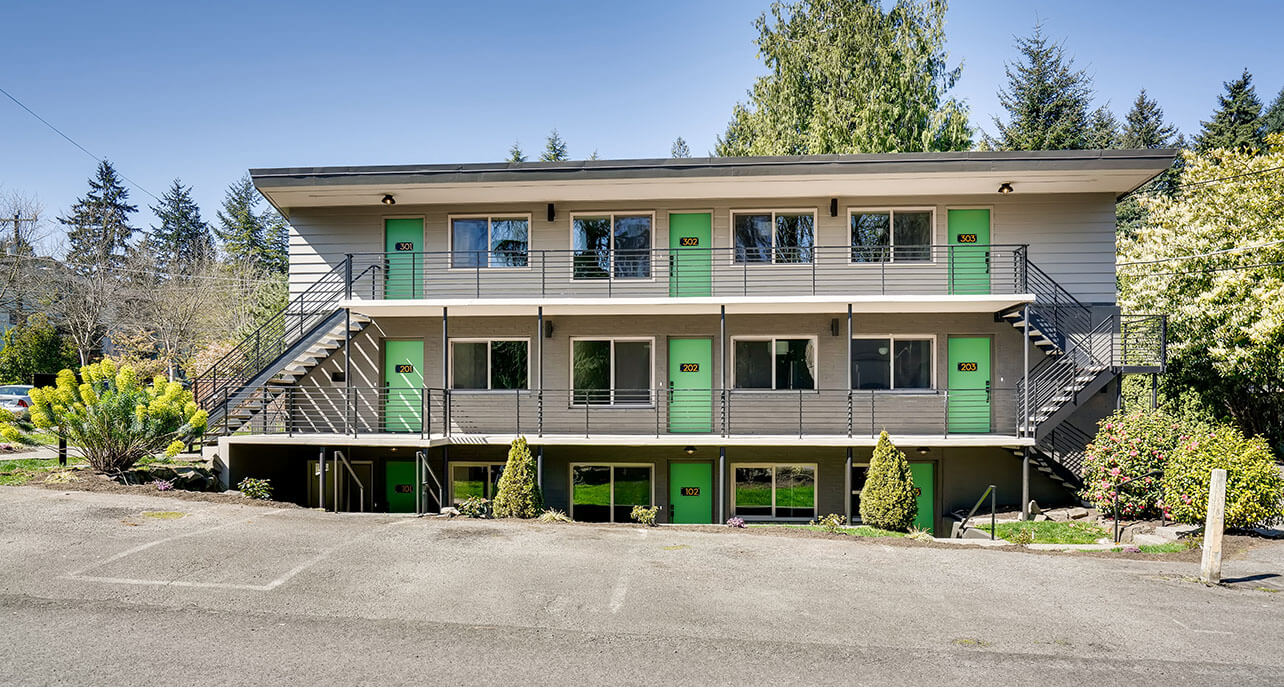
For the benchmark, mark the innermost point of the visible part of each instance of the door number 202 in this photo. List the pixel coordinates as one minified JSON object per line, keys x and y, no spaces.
{"x":689,"y":368}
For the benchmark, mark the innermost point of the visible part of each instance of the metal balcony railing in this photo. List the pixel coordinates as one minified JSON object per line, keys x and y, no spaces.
{"x":687,"y":272}
{"x":427,"y":412}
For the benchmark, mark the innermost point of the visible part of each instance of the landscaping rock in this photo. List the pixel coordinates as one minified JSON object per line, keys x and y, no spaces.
{"x":1176,"y":531}
{"x":1077,"y":513}
{"x":1033,"y":508}
{"x":1041,"y":517}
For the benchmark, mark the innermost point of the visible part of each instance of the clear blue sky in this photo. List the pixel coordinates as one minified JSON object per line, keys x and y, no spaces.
{"x":168,"y":89}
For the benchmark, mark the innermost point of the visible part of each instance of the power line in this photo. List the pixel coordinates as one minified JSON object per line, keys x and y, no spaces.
{"x":1205,"y":270}
{"x":140,"y":271}
{"x":1200,"y":255}
{"x":1179,"y":185}
{"x":72,"y":141}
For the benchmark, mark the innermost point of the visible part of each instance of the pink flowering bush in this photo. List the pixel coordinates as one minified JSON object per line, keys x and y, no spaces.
{"x":1127,"y":445}
{"x":1254,"y":487}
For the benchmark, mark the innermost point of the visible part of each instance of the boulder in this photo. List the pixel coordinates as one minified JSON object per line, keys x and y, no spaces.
{"x":1077,"y":513}
{"x":1041,"y":517}
{"x":1033,"y":508}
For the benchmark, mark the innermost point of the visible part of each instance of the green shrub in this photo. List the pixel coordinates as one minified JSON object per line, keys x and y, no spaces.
{"x":518,"y":495}
{"x":1021,"y":535}
{"x":831,"y":523}
{"x":255,"y":488}
{"x":1254,"y":488}
{"x":644,"y":515}
{"x":475,"y":507}
{"x":554,"y":516}
{"x":888,"y":500}
{"x":1128,"y":445}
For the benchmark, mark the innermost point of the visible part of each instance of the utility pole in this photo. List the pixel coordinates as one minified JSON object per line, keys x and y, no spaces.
{"x":17,"y":220}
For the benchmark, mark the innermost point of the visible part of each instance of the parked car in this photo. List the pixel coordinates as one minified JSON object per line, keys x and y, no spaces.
{"x":15,"y":398}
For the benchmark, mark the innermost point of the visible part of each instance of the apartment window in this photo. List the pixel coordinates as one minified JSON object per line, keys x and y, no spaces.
{"x":474,"y":480}
{"x":774,"y":237}
{"x":774,"y":362}
{"x":892,"y":363}
{"x":608,"y":492}
{"x":496,"y":242}
{"x":772,"y":490}
{"x":899,"y":235}
{"x":611,"y":246}
{"x":489,"y":364}
{"x":860,"y":474}
{"x":611,"y":371}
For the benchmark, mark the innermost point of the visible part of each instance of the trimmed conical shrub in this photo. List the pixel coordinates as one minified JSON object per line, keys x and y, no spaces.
{"x":888,"y":500}
{"x":519,"y":495}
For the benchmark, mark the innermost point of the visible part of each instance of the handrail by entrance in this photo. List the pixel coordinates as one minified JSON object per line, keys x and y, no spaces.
{"x":422,"y":469}
{"x":988,"y":491}
{"x":361,"y":488}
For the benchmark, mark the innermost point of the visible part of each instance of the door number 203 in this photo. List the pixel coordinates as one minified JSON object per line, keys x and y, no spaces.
{"x":967,"y":367}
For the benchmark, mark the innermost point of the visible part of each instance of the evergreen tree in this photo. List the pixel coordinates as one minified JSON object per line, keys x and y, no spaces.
{"x":1144,"y":127}
{"x":888,"y":500}
{"x":519,"y":495}
{"x":1273,"y":120}
{"x":1103,"y":130}
{"x":182,"y":240}
{"x":680,"y":149}
{"x":275,"y":256}
{"x":593,"y":155}
{"x":554,"y":148}
{"x":1237,"y":123}
{"x":98,"y":228}
{"x":241,"y":228}
{"x":828,"y":91}
{"x":1046,"y":99}
{"x":515,"y":153}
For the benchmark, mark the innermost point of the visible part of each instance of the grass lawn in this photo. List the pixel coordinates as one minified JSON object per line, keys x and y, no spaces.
{"x":21,"y":471}
{"x":858,"y":531}
{"x":1053,"y":532}
{"x":1179,"y":546}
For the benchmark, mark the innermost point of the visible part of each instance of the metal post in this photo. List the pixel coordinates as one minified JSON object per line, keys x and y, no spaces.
{"x":1025,"y":484}
{"x":349,"y":417}
{"x":993,"y":513}
{"x":321,"y":479}
{"x":1154,"y":391}
{"x":539,"y":368}
{"x":847,"y":486}
{"x":62,"y":451}
{"x":347,"y":276}
{"x":445,"y":371}
{"x":722,"y":484}
{"x":445,"y":476}
{"x":722,"y":365}
{"x":1025,"y":373}
{"x":539,"y":467}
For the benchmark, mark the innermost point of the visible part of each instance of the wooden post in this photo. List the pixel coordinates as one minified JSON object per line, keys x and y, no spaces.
{"x":1210,"y":571}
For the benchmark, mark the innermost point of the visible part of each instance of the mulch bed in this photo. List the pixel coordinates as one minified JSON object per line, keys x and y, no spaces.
{"x":84,"y":479}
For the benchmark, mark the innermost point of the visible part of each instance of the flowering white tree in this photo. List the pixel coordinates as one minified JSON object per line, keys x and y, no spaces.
{"x":1212,"y":256}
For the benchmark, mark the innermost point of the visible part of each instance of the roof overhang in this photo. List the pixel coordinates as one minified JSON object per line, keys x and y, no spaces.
{"x":903,"y":174}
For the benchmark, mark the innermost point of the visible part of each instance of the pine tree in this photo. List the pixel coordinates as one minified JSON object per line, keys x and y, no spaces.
{"x":1103,"y":130}
{"x":1144,"y":127}
{"x":182,"y":240}
{"x":519,"y":495}
{"x":98,"y":228}
{"x":515,"y":153}
{"x":888,"y":500}
{"x":241,"y":227}
{"x":1273,"y":120}
{"x":1237,"y":123}
{"x":1046,"y":99}
{"x":680,"y":149}
{"x":275,"y":256}
{"x":554,"y":148}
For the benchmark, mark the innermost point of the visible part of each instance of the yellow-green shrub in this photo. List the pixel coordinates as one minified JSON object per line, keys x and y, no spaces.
{"x":519,"y":495}
{"x":110,"y":418}
{"x":1254,"y":487}
{"x":888,"y":500}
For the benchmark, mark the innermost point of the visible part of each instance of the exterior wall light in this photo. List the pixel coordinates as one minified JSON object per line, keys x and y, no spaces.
{"x":388,"y":200}
{"x":689,"y":450}
{"x":924,"y":451}
{"x":1005,"y":188}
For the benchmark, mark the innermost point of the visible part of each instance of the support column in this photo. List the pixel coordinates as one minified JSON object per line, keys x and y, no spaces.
{"x":349,"y":416}
{"x":723,"y":396}
{"x":539,"y":374}
{"x":539,"y":467}
{"x":722,"y":485}
{"x":445,"y":371}
{"x":1154,"y":391}
{"x":321,"y":479}
{"x":442,"y":492}
{"x":847,"y":479}
{"x":1025,"y":372}
{"x":1025,"y":484}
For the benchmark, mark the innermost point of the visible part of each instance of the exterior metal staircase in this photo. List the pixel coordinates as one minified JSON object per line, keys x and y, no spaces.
{"x":281,"y":351}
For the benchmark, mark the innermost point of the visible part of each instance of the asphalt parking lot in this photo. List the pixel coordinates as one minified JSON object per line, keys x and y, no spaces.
{"x":119,"y":589}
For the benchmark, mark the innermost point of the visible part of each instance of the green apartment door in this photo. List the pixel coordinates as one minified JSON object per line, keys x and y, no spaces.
{"x":691,"y":260}
{"x":399,"y":486}
{"x":403,"y":245}
{"x":403,"y":382}
{"x":969,"y":384}
{"x":969,"y":232}
{"x":690,"y":492}
{"x":690,"y":385}
{"x":924,"y":474}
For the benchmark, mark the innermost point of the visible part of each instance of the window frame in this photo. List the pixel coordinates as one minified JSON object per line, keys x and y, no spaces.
{"x":611,"y":215}
{"x":490,"y":352}
{"x":731,"y":232}
{"x":651,"y":391}
{"x":858,"y":492}
{"x":852,"y":211}
{"x":815,"y":340}
{"x":891,"y":363}
{"x":773,"y":465}
{"x":469,"y":464}
{"x":490,"y":223}
{"x":570,"y":482}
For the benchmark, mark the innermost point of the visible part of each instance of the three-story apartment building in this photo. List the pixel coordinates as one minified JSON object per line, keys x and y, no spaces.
{"x":721,"y":337}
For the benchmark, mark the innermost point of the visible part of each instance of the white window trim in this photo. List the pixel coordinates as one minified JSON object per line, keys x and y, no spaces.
{"x":570,"y":481}
{"x":613,"y":404}
{"x":815,"y":341}
{"x":467,"y":464}
{"x":852,"y":211}
{"x":891,"y":362}
{"x":773,"y":212}
{"x":610,"y":215}
{"x":489,"y":363}
{"x":490,"y":221}
{"x":773,"y":465}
